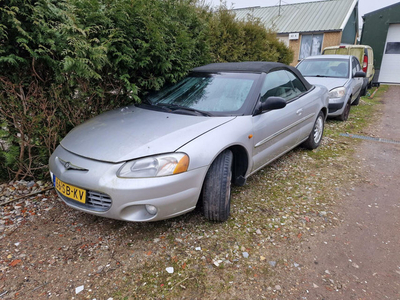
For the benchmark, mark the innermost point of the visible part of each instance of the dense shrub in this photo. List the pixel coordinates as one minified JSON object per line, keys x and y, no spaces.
{"x":233,"y":40}
{"x":64,"y":61}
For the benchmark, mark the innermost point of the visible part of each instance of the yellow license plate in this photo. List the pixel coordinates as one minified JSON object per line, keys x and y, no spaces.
{"x":71,"y":191}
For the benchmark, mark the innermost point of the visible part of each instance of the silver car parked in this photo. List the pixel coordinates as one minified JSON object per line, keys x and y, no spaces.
{"x":188,"y":142}
{"x":343,"y":77}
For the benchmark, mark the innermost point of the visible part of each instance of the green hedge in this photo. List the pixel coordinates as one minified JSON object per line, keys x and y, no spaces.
{"x":233,"y":40}
{"x":64,"y":61}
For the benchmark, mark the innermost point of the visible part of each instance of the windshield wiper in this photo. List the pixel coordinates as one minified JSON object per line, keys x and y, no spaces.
{"x":176,"y":109}
{"x":144,"y":102}
{"x":153,"y":106}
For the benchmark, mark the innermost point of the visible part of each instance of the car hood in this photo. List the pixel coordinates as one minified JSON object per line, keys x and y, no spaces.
{"x":133,"y":132}
{"x":329,"y":82}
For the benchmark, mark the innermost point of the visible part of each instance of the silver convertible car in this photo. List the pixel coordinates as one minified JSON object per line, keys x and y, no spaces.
{"x":185,"y":144}
{"x":342,"y":75}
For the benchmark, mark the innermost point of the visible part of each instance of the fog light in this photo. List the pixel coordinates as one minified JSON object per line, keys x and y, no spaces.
{"x":151,"y":209}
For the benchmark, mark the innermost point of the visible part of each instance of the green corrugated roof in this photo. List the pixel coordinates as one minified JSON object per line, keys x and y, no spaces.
{"x":329,"y":15}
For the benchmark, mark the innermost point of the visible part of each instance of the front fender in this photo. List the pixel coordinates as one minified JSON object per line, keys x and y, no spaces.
{"x":204,"y":149}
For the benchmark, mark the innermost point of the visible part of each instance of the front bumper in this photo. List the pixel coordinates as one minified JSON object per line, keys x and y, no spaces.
{"x":171,"y":195}
{"x":336,"y":106}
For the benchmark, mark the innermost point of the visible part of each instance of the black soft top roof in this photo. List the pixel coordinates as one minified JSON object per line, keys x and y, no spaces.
{"x":249,"y":67}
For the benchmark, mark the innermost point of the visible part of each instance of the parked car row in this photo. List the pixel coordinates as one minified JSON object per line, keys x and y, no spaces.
{"x":365,"y":56}
{"x":184,"y":145}
{"x":343,"y":77}
{"x":339,"y":69}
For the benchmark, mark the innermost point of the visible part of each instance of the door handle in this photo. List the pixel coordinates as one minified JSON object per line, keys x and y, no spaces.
{"x":299,"y":111}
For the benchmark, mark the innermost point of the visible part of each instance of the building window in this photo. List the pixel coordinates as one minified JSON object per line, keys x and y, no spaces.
{"x":392,"y":48}
{"x":311,"y":44}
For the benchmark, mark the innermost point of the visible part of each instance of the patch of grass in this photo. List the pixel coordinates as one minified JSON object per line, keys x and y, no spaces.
{"x":334,"y":145}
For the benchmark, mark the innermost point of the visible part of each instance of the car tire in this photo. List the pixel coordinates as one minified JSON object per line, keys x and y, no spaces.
{"x":217,"y":188}
{"x":345,"y":114}
{"x":314,"y":139}
{"x":357,"y":101}
{"x":363,"y":92}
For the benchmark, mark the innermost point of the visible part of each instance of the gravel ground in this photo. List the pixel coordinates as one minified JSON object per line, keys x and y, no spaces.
{"x":49,"y":250}
{"x":360,"y":258}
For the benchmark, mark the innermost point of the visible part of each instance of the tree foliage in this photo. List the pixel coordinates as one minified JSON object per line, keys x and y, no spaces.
{"x":233,"y":40}
{"x":64,"y":61}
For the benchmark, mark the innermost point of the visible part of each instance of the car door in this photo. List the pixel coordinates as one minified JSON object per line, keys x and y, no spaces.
{"x":277,"y":131}
{"x":356,"y":82}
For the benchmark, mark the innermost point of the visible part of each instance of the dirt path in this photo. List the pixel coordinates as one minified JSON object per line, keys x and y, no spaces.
{"x":361,"y":258}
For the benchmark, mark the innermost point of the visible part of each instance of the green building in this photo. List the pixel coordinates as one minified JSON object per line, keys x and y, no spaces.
{"x":381,"y":31}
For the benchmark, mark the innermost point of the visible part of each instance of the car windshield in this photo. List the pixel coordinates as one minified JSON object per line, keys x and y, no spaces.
{"x":224,"y":93}
{"x":324,"y":67}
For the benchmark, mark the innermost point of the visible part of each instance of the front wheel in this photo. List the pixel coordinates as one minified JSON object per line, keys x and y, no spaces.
{"x":345,"y":114}
{"x":314,"y":139}
{"x":217,"y":188}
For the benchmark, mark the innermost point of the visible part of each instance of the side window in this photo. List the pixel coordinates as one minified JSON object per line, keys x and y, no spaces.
{"x":356,"y":66}
{"x":281,"y":84}
{"x":298,"y":86}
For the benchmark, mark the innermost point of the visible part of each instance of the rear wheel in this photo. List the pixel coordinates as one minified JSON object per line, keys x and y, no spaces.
{"x":314,"y":139}
{"x":217,"y":188}
{"x":345,"y":114}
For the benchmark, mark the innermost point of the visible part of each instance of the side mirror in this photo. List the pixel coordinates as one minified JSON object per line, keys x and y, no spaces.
{"x":359,"y":74}
{"x":272,"y":103}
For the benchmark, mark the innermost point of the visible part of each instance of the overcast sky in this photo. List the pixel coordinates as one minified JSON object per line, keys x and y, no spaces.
{"x":364,"y":6}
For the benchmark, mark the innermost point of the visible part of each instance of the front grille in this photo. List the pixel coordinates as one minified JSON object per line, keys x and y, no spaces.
{"x":98,"y":200}
{"x":94,"y":201}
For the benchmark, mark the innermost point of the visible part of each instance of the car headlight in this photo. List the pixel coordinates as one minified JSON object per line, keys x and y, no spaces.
{"x":155,"y":166}
{"x":337,"y":92}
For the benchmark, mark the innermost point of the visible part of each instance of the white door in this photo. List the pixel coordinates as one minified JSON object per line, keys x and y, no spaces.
{"x":390,"y":68}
